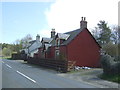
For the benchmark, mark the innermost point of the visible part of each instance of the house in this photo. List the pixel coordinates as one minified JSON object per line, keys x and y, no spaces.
{"x":44,"y":47}
{"x":78,"y":45}
{"x":33,"y":46}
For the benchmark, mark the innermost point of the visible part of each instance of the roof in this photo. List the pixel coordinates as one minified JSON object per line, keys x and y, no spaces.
{"x":69,"y":36}
{"x":63,"y":36}
{"x":33,"y":50}
{"x":48,"y":40}
{"x":32,"y":47}
{"x":47,"y":46}
{"x":31,"y":42}
{"x":72,"y":34}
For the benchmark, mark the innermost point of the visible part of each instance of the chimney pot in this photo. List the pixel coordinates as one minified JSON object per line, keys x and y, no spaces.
{"x":83,"y":23}
{"x":84,"y":18}
{"x":53,"y":33}
{"x":38,"y":37}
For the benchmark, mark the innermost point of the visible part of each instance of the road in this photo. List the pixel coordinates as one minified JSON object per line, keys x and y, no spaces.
{"x":17,"y":74}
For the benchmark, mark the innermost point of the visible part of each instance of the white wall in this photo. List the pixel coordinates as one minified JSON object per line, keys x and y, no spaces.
{"x":32,"y":53}
{"x":34,"y":48}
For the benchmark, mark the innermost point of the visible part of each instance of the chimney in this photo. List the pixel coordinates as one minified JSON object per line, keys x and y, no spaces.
{"x":38,"y":37}
{"x":53,"y":33}
{"x":83,"y":23}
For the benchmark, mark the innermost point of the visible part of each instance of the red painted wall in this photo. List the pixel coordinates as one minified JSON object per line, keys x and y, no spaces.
{"x":63,"y":51}
{"x":35,"y":55}
{"x":39,"y":52}
{"x":84,"y":50}
{"x":51,"y":53}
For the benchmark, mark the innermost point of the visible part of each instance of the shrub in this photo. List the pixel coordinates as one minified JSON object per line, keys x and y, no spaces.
{"x":62,"y":56}
{"x":109,"y":65}
{"x":111,"y":49}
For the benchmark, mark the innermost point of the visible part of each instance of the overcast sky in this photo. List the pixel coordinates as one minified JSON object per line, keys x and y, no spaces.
{"x":22,"y":18}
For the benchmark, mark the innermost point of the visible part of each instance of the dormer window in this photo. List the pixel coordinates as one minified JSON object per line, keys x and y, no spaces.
{"x":60,"y":38}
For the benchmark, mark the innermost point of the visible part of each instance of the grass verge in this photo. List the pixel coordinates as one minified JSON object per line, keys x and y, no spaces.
{"x":7,"y":57}
{"x":73,"y":71}
{"x":113,"y":78}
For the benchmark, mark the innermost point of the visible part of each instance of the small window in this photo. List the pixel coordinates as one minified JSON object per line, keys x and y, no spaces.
{"x":57,"y":53}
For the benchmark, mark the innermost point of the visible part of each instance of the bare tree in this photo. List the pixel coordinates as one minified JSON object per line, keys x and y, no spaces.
{"x":25,"y":41}
{"x":115,"y":34}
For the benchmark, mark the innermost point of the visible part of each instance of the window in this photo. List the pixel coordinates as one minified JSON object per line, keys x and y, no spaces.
{"x":57,"y":53}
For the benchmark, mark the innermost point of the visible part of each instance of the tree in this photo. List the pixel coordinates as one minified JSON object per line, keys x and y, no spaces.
{"x":6,"y":51}
{"x":21,"y":44}
{"x":103,"y":34}
{"x":110,"y":49}
{"x":119,"y":34}
{"x":115,"y":34}
{"x":24,"y":42}
{"x":95,"y":33}
{"x":4,"y":45}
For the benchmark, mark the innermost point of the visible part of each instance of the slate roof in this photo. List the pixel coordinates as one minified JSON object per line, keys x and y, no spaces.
{"x":34,"y":49}
{"x":63,"y":36}
{"x":68,"y":36}
{"x":31,"y":42}
{"x":72,"y":34}
{"x":48,"y":40}
{"x":47,"y":46}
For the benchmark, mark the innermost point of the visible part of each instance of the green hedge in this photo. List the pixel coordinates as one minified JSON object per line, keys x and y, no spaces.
{"x":109,"y":65}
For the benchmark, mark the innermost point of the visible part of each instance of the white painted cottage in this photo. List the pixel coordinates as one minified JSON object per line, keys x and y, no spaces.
{"x":33,"y":46}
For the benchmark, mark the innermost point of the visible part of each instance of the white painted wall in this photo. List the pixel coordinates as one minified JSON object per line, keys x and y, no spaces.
{"x":34,"y":48}
{"x":32,"y":53}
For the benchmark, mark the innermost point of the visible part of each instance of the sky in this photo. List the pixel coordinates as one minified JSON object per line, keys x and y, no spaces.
{"x":39,"y":17}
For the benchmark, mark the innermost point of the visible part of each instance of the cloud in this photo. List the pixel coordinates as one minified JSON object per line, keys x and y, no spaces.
{"x":44,"y":33}
{"x":65,"y":15}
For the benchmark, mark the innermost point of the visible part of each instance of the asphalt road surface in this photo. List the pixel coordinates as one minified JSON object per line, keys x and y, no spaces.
{"x":17,"y":74}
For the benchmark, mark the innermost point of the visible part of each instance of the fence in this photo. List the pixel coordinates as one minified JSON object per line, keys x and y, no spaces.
{"x":59,"y":65}
{"x":19,"y":56}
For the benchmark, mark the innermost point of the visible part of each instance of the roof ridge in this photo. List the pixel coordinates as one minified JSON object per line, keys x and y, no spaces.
{"x":72,"y":31}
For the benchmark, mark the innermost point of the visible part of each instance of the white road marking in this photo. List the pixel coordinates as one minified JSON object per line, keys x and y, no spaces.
{"x":26,"y":77}
{"x":3,"y":62}
{"x":29,"y":66}
{"x":8,"y":65}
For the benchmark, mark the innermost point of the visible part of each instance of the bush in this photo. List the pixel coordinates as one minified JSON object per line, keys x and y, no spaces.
{"x":109,"y":65}
{"x":113,"y":78}
{"x":111,"y":49}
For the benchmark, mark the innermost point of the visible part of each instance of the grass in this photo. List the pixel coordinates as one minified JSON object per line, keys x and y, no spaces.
{"x":73,"y":71}
{"x":7,"y":57}
{"x":113,"y":78}
{"x":85,"y":71}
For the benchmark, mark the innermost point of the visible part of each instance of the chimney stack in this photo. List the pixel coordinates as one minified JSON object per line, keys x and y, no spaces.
{"x":38,"y":37}
{"x":53,"y":33}
{"x":83,"y":23}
